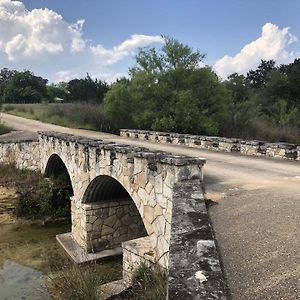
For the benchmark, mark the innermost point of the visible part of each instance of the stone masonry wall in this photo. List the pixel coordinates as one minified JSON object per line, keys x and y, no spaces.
{"x":109,"y":224}
{"x":148,"y":177}
{"x":257,"y":148}
{"x":24,"y":155}
{"x":194,"y":267}
{"x":135,"y":253}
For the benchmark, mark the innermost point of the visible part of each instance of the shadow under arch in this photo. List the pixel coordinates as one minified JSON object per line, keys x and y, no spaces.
{"x":112,"y":215}
{"x":56,"y":168}
{"x":105,"y":188}
{"x":61,"y":187}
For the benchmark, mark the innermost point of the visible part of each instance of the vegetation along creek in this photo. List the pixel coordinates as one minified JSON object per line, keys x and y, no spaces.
{"x":32,"y":265}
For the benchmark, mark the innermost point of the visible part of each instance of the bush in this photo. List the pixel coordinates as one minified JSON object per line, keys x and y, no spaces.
{"x":39,"y":196}
{"x":4,"y":129}
{"x":149,"y":283}
{"x":76,"y":115}
{"x":68,"y":281}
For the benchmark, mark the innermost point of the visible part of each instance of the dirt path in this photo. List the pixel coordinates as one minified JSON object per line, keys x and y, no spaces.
{"x":256,"y":221}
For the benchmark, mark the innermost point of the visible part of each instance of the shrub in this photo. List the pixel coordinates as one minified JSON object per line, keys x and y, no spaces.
{"x":150,"y":283}
{"x":39,"y":196}
{"x":4,"y":129}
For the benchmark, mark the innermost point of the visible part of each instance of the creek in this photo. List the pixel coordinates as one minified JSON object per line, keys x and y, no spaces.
{"x":30,"y":255}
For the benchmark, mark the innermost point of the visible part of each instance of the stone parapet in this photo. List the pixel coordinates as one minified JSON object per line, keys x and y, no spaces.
{"x":254,"y":148}
{"x":194,"y":266}
{"x":139,"y":152}
{"x":22,"y":154}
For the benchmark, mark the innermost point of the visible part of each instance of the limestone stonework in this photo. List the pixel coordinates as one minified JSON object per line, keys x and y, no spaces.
{"x":147,"y":176}
{"x":257,"y":148}
{"x":24,"y":155}
{"x":163,"y":220}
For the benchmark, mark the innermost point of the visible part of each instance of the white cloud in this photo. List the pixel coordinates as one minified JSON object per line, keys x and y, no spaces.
{"x":28,"y":34}
{"x":272,"y":44}
{"x":42,"y":41}
{"x":126,"y":48}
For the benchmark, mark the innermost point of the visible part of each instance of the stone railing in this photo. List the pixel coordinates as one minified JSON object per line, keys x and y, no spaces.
{"x":194,"y":266}
{"x":24,"y":154}
{"x":246,"y":147}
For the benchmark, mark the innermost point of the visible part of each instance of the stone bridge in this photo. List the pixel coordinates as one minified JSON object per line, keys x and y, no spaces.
{"x":145,"y":204}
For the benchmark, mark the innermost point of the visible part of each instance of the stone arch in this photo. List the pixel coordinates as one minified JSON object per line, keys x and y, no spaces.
{"x":111,"y":214}
{"x":104,"y":188}
{"x":62,"y":188}
{"x":55,"y":167}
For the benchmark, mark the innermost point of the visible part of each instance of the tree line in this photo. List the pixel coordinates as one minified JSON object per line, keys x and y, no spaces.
{"x":24,"y":87}
{"x":170,"y":89}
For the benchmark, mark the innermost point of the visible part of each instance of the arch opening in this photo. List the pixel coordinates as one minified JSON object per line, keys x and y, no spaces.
{"x":61,"y":186}
{"x":111,"y":215}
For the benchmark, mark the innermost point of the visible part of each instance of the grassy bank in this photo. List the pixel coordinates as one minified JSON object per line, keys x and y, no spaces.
{"x":74,"y":115}
{"x":39,"y":197}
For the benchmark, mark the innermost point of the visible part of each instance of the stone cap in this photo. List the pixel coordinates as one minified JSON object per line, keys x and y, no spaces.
{"x":133,"y":151}
{"x":19,"y":137}
{"x":257,"y":143}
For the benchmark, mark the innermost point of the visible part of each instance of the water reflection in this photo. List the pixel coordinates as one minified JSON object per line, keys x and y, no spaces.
{"x":20,"y":282}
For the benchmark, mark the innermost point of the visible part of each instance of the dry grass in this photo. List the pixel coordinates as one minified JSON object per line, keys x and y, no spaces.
{"x":74,"y":115}
{"x":72,"y":282}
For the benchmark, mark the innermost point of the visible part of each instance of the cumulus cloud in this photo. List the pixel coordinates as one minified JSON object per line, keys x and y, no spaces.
{"x":34,"y":39}
{"x":272,"y":44}
{"x":126,"y":48}
{"x":28,"y":34}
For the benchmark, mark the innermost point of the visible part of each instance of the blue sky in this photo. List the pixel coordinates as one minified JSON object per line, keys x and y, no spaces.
{"x":221,"y":29}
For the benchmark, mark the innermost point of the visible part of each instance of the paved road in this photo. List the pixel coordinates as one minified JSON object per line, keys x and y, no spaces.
{"x":256,"y":219}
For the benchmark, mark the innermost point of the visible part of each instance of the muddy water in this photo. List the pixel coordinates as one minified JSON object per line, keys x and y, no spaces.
{"x":27,"y":251}
{"x":30,"y":256}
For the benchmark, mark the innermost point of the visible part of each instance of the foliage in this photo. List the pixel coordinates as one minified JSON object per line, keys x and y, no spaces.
{"x":75,"y":115}
{"x":25,"y":87}
{"x":266,"y":103}
{"x":87,"y":90}
{"x":21,"y":87}
{"x":4,"y":129}
{"x":149,"y":283}
{"x":68,"y":281}
{"x":49,"y":198}
{"x":169,"y":90}
{"x":57,"y":91}
{"x":39,"y":196}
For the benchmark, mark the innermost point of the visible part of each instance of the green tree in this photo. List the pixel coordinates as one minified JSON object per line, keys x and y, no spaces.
{"x":5,"y":76}
{"x":259,"y":77}
{"x":57,"y":90}
{"x":169,"y":89}
{"x":87,"y":90}
{"x":24,"y":87}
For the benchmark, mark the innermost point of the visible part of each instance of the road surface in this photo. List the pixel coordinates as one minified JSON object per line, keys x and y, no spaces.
{"x":256,"y":219}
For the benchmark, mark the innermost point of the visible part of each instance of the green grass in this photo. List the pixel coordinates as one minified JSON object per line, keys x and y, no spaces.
{"x":73,"y":282}
{"x":4,"y":129}
{"x":74,"y":115}
{"x":39,"y":197}
{"x":150,"y":283}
